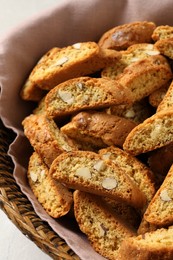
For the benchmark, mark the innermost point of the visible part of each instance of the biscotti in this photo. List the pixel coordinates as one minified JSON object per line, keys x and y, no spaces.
{"x":159,"y":211}
{"x":87,"y":171}
{"x":150,"y":246}
{"x":167,"y":102}
{"x":145,"y":76}
{"x":30,"y":91}
{"x":104,"y":229}
{"x":133,"y":54}
{"x":85,"y":93}
{"x":123,"y":36}
{"x":55,"y":198}
{"x":155,"y":132}
{"x":76,"y":60}
{"x":165,"y":47}
{"x":162,"y":32}
{"x":135,"y":169}
{"x":98,"y":129}
{"x":46,"y":138}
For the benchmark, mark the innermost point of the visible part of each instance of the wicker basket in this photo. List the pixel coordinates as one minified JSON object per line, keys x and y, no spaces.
{"x":20,"y":211}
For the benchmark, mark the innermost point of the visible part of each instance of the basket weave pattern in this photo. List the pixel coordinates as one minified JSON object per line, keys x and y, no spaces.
{"x":20,"y":211}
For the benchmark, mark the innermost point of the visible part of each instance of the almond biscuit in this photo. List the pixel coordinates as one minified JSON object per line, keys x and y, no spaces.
{"x":55,"y":198}
{"x":123,"y":36}
{"x":87,"y":171}
{"x":83,"y":93}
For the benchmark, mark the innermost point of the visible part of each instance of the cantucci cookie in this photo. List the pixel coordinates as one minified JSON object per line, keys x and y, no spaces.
{"x":104,"y":229}
{"x":123,"y":36}
{"x":98,"y":128}
{"x":157,"y":96}
{"x":159,"y":211}
{"x":76,"y":60}
{"x":152,"y":245}
{"x":46,"y":138}
{"x":162,"y":32}
{"x":155,"y":132}
{"x":137,"y":112}
{"x":85,"y":93}
{"x":87,"y":171}
{"x":30,"y":91}
{"x":135,"y":169}
{"x":133,"y":54}
{"x":165,"y":47}
{"x":145,"y":76}
{"x":167,"y":102}
{"x":55,"y":198}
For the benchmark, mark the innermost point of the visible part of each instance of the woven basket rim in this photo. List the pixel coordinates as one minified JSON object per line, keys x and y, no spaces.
{"x":20,"y":211}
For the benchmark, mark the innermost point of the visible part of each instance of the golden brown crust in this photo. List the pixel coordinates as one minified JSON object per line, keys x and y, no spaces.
{"x":145,"y":76}
{"x":45,"y":137}
{"x":87,"y":171}
{"x":155,"y":132}
{"x":133,"y":54}
{"x":76,"y":60}
{"x":121,"y":37}
{"x":85,"y":93}
{"x":150,"y":246}
{"x":165,"y":47}
{"x":159,"y":211}
{"x":135,"y":169}
{"x":105,"y":230}
{"x":162,"y":32}
{"x":55,"y":198}
{"x":98,"y":128}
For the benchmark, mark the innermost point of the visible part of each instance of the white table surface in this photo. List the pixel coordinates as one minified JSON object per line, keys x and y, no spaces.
{"x":13,"y":244}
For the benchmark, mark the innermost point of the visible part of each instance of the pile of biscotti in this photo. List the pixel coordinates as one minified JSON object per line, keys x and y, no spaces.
{"x":102,"y":138}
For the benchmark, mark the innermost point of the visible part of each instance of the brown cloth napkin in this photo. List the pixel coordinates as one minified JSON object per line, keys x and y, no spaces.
{"x":69,"y":22}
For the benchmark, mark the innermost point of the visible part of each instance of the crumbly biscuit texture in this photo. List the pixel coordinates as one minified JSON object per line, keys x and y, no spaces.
{"x":155,"y":132}
{"x":30,"y":90}
{"x":159,"y":211}
{"x":133,"y":54}
{"x":98,"y":128}
{"x":145,"y":76}
{"x":123,"y":36}
{"x":165,"y":47}
{"x":105,"y":230}
{"x":76,"y":60}
{"x":152,"y":245}
{"x":135,"y":169}
{"x":83,"y":93}
{"x":87,"y":171}
{"x":55,"y":198}
{"x":162,"y":32}
{"x":46,"y":138}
